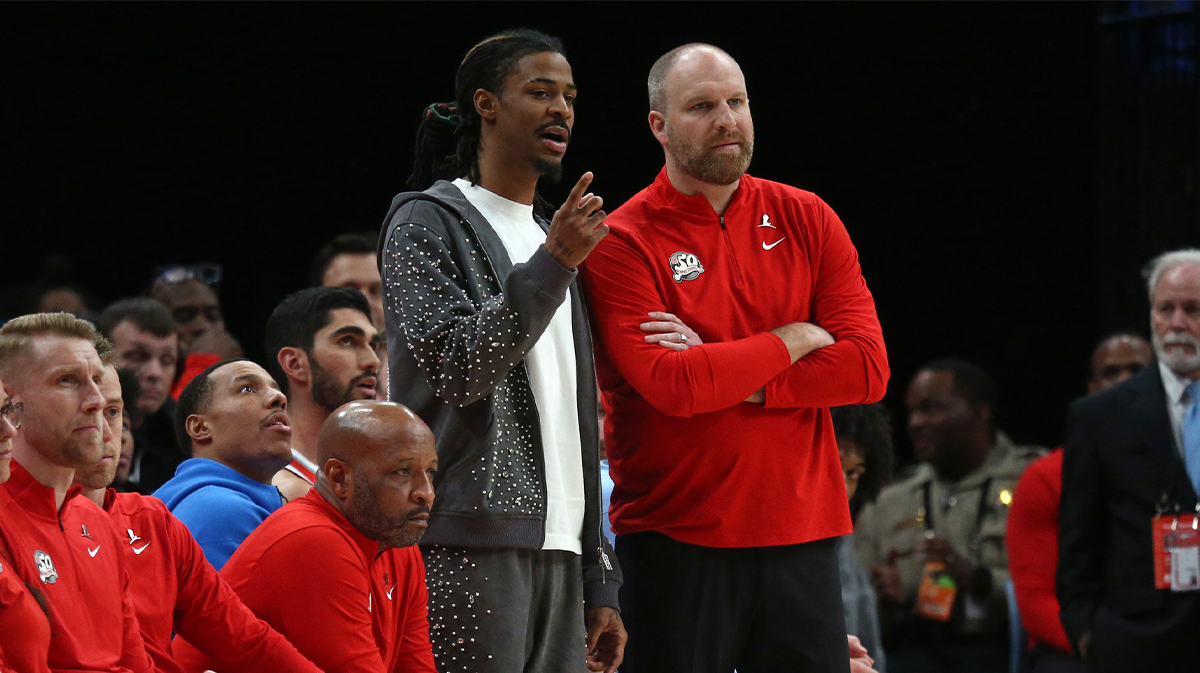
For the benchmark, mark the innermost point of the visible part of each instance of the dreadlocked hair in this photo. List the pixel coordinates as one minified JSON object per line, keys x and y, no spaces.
{"x":448,"y":138}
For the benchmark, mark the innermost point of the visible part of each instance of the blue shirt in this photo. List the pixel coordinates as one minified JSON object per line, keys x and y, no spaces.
{"x":219,"y":505}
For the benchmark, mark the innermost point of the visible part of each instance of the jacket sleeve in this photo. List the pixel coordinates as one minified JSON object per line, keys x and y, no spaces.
{"x":1082,"y":526}
{"x":1031,"y":540}
{"x":699,"y":380}
{"x":213,"y":619}
{"x":854,"y":370}
{"x":602,"y":579}
{"x":464,"y":349}
{"x":414,"y":653}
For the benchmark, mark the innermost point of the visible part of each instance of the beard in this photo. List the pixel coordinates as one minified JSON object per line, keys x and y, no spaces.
{"x":708,"y":165}
{"x":370,"y":521}
{"x":328,"y":392}
{"x":1177,"y":362}
{"x":549,"y":170}
{"x":83,"y":452}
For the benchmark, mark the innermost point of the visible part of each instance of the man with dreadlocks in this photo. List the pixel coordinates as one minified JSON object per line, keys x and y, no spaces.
{"x":489,"y":344}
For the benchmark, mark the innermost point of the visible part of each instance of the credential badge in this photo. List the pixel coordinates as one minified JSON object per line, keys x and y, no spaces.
{"x":685,"y":266}
{"x":45,"y":567}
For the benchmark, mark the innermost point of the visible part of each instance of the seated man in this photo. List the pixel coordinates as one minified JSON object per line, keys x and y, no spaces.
{"x":64,"y":547}
{"x":357,"y":601}
{"x":142,"y":332}
{"x":934,"y":543}
{"x":174,"y":590}
{"x":321,"y":346}
{"x":233,"y":419}
{"x":348,"y":260}
{"x":190,"y":292}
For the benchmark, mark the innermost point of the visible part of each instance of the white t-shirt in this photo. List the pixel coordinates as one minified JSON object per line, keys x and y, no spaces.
{"x":551,"y":366}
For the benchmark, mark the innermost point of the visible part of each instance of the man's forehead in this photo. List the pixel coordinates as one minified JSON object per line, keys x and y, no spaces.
{"x":190,"y":292}
{"x":351,"y":264}
{"x":704,"y":68}
{"x":1184,"y":278}
{"x":932,"y":383}
{"x":52,"y":351}
{"x":547,"y":67}
{"x":110,"y":383}
{"x":127,"y":333}
{"x":241,"y":370}
{"x":343,"y":318}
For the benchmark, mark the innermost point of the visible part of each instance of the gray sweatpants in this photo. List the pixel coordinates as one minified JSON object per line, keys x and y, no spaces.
{"x":505,"y":610}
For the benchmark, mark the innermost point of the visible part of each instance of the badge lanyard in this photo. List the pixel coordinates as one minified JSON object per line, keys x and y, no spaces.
{"x":979,"y":514}
{"x":1176,"y":541}
{"x":936,"y":594}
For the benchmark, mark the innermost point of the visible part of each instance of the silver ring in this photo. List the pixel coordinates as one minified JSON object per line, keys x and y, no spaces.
{"x":682,"y":338}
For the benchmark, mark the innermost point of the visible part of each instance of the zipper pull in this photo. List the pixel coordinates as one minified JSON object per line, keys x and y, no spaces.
{"x":604,"y":562}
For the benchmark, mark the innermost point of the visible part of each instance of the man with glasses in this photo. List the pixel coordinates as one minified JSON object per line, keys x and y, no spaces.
{"x":190,"y":292}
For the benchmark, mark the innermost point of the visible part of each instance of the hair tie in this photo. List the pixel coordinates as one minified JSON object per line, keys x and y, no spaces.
{"x":446,"y":113}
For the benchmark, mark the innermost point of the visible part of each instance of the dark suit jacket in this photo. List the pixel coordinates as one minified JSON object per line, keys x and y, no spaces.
{"x":1120,"y":462}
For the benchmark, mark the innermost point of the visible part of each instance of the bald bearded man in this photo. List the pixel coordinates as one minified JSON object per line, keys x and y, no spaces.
{"x":357,"y":603}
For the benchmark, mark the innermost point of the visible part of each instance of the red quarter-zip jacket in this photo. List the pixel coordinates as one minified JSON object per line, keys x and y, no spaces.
{"x":24,"y":629}
{"x":74,"y":557}
{"x":348,"y":608}
{"x":175,"y":589}
{"x":688,"y":457}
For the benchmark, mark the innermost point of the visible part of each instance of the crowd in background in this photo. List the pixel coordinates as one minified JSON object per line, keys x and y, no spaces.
{"x":984,"y":556}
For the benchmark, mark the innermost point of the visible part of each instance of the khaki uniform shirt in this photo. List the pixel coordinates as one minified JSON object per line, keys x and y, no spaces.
{"x":899,"y":520}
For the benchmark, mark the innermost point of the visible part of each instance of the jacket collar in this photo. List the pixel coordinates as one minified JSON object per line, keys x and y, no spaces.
{"x":110,"y":497}
{"x":368,"y":547}
{"x":696,"y":209}
{"x":32,"y":496}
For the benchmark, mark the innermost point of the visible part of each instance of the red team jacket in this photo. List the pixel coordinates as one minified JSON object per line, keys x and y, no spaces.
{"x":306,"y":559}
{"x":174,"y":589}
{"x":24,"y":629}
{"x":74,"y":558}
{"x":1033,"y":549}
{"x":688,"y":458}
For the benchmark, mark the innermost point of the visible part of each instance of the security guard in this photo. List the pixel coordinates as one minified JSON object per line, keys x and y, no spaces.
{"x":934,"y":542}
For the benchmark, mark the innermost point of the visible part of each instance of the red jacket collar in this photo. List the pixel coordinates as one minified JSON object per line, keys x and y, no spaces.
{"x":700,"y":211}
{"x":369,"y":547}
{"x":32,"y":496}
{"x":110,"y":497}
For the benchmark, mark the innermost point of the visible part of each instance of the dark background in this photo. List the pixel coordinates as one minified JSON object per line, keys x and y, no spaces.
{"x":1004,"y":169}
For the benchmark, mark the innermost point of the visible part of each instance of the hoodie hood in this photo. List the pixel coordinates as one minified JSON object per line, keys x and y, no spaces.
{"x":197,"y":473}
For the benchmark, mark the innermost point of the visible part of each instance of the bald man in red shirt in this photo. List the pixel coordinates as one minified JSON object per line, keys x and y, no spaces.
{"x":174,"y":589}
{"x":62,"y":545}
{"x":730,"y":313}
{"x":337,"y":571}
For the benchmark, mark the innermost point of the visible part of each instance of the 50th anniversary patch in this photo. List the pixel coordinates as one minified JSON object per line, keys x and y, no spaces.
{"x":685,"y":266}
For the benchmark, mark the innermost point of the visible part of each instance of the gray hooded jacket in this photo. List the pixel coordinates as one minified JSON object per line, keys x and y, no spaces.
{"x":460,"y":318}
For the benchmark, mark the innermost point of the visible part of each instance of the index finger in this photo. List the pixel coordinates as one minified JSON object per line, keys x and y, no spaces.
{"x":577,"y":191}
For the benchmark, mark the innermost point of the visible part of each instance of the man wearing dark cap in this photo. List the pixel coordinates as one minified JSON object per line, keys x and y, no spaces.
{"x":356,"y":532}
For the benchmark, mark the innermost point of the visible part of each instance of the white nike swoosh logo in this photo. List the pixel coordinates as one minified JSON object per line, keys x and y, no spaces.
{"x":92,"y":552}
{"x":768,"y":247}
{"x":389,"y":592}
{"x":139,"y":551}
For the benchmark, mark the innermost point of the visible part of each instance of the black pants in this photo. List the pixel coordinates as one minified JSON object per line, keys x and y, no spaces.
{"x":691,"y":609}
